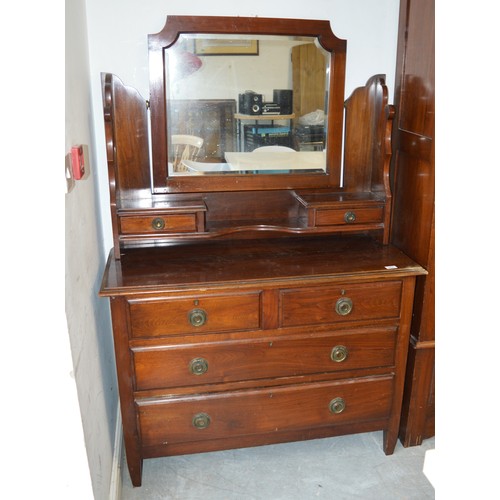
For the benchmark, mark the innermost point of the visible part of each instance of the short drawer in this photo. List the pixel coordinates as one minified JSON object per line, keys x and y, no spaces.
{"x":158,"y":224}
{"x":347,"y":302}
{"x":268,"y":410}
{"x":329,"y":217}
{"x":228,"y":361}
{"x":194,"y":314}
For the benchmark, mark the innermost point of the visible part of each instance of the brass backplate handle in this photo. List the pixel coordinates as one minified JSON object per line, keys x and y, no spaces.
{"x":197,"y":317}
{"x":158,"y":223}
{"x":198,"y":366}
{"x":343,"y":306}
{"x":201,"y":421}
{"x":339,"y":353}
{"x":337,"y":405}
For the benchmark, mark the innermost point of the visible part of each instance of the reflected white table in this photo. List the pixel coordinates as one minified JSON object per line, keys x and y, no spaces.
{"x":277,"y":160}
{"x":260,"y":161}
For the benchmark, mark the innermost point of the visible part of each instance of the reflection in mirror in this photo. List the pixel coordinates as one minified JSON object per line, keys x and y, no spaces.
{"x":264,"y":113}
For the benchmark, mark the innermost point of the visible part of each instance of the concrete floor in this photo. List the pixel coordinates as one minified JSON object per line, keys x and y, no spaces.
{"x":340,"y":468}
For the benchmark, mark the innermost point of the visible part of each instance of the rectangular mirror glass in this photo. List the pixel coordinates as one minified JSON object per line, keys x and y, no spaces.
{"x":246,"y":104}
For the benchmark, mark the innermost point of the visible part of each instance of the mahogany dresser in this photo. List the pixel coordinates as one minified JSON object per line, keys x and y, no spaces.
{"x":234,"y":344}
{"x":254,"y":300}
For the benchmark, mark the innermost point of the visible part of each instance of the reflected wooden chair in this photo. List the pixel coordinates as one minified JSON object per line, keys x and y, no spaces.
{"x":186,"y":147}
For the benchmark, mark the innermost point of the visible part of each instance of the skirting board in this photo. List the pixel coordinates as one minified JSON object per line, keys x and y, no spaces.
{"x":430,"y":466}
{"x":115,"y":486}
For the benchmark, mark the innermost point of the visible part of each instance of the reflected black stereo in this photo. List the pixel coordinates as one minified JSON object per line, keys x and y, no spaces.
{"x":284,"y":99}
{"x":250,"y":103}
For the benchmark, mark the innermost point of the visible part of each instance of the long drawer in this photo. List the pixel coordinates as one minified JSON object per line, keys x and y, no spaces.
{"x":284,"y":408}
{"x":344,"y":302}
{"x":194,"y":314}
{"x":215,"y":362}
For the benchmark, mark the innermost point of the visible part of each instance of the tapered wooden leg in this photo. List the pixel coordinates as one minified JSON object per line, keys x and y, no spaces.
{"x":135,"y":470}
{"x":390,"y":440}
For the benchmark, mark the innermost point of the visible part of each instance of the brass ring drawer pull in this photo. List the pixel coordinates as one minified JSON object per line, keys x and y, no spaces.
{"x":349,"y":217}
{"x":198,"y":366}
{"x":339,"y":353}
{"x":201,"y":421}
{"x":197,"y":317}
{"x":343,"y":306}
{"x":158,"y":223}
{"x":337,"y":405}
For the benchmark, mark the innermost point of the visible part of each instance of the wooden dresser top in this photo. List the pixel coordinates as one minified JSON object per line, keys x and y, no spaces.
{"x":250,"y":262}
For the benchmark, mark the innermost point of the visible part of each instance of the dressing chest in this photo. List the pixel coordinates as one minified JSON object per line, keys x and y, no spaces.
{"x":254,"y":296}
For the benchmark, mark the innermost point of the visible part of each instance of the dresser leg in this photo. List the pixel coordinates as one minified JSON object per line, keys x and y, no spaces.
{"x":390,"y":439}
{"x":135,"y":471}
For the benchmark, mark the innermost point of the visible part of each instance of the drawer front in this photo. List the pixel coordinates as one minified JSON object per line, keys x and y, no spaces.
{"x":197,"y":314}
{"x":188,"y":365}
{"x":347,"y":302}
{"x":328,"y":217}
{"x":158,"y":224}
{"x":232,"y":414}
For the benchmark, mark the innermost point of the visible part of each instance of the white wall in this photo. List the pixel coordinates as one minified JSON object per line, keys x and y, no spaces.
{"x":43,"y":443}
{"x":226,"y":76}
{"x":87,"y":315}
{"x":118,"y":32}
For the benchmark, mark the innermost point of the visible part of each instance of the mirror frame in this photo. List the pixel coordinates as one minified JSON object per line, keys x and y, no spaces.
{"x":176,"y":25}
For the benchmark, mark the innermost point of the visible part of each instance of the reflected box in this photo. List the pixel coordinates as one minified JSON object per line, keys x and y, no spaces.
{"x":267,"y":135}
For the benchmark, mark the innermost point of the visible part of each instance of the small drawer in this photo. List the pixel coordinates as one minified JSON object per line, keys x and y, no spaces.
{"x":347,"y":302}
{"x":229,"y":361}
{"x":178,"y":223}
{"x":194,"y":314}
{"x":330,"y":217}
{"x":268,"y":410}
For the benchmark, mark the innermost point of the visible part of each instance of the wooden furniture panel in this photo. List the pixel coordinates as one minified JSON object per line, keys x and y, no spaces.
{"x":198,"y":313}
{"x":361,"y":216}
{"x":232,"y":414}
{"x":345,"y":302}
{"x":210,"y":362}
{"x":413,"y":204}
{"x":347,"y":211}
{"x":418,"y":411}
{"x":151,"y":224}
{"x":414,"y":195}
{"x":368,"y":150}
{"x":127,"y":147}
